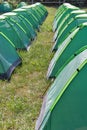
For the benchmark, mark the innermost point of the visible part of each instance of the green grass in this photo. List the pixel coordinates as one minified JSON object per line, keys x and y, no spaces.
{"x":21,"y":98}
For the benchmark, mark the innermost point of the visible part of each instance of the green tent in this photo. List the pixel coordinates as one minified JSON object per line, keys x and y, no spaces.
{"x":43,"y":8}
{"x":5,"y":7}
{"x":14,"y":32}
{"x":69,"y":47}
{"x":32,"y":9}
{"x":65,"y":104}
{"x":68,"y":29}
{"x":61,"y":9}
{"x":64,"y":14}
{"x":66,"y":22}
{"x":40,"y":11}
{"x":29,"y":17}
{"x":21,"y":4}
{"x":24,"y":15}
{"x":67,"y":18}
{"x":33,"y":14}
{"x":9,"y":59}
{"x":32,"y":18}
{"x":15,"y":17}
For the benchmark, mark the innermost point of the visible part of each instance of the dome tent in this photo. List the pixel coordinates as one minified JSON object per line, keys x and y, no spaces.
{"x":25,"y":16}
{"x":9,"y":59}
{"x":38,"y":10}
{"x":33,"y":19}
{"x":69,"y":47}
{"x":65,"y":101}
{"x":15,"y":17}
{"x":23,"y":11}
{"x":67,"y":30}
{"x":33,"y":12}
{"x":67,"y":10}
{"x":21,"y":4}
{"x":66,"y":22}
{"x":20,"y":40}
{"x":61,"y":9}
{"x":5,"y":7}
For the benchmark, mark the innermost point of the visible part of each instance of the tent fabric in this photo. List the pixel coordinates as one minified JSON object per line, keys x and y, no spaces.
{"x":32,"y":14}
{"x":73,"y":23}
{"x":29,"y":17}
{"x":61,"y":9}
{"x":65,"y":101}
{"x":72,"y":44}
{"x":9,"y":59}
{"x":65,"y":12}
{"x":51,"y":71}
{"x":35,"y":14}
{"x":5,"y":7}
{"x":21,"y":4}
{"x":17,"y":30}
{"x":15,"y":17}
{"x":66,"y":21}
{"x":68,"y":17}
{"x":20,"y":40}
{"x":38,"y":10}
{"x":24,"y":15}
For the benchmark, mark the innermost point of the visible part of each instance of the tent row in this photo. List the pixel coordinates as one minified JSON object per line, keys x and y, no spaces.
{"x":17,"y":31}
{"x":64,"y":105}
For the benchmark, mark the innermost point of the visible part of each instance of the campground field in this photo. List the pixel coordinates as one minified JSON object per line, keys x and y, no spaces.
{"x":21,"y":97}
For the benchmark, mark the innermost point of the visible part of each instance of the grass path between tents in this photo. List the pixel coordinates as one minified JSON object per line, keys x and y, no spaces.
{"x":21,"y":98}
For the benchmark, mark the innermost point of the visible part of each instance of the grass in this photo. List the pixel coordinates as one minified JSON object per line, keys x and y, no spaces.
{"x":21,"y":98}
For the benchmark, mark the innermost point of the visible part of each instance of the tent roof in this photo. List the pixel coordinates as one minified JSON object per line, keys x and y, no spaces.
{"x":68,"y":29}
{"x":81,"y":16}
{"x":78,"y":11}
{"x":9,"y":58}
{"x":67,"y":5}
{"x":21,"y":4}
{"x":67,"y":48}
{"x":59,"y":86}
{"x":59,"y":52}
{"x":26,"y":7}
{"x":20,"y":9}
{"x":21,"y":40}
{"x":9,"y":14}
{"x":2,"y":17}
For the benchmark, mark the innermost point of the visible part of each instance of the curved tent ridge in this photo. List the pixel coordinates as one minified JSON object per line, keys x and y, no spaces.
{"x":26,"y":7}
{"x":78,"y":11}
{"x":10,"y":14}
{"x":2,"y":17}
{"x":74,"y":23}
{"x":37,"y":3}
{"x":21,"y":4}
{"x":81,"y":16}
{"x":83,"y":25}
{"x":20,"y":9}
